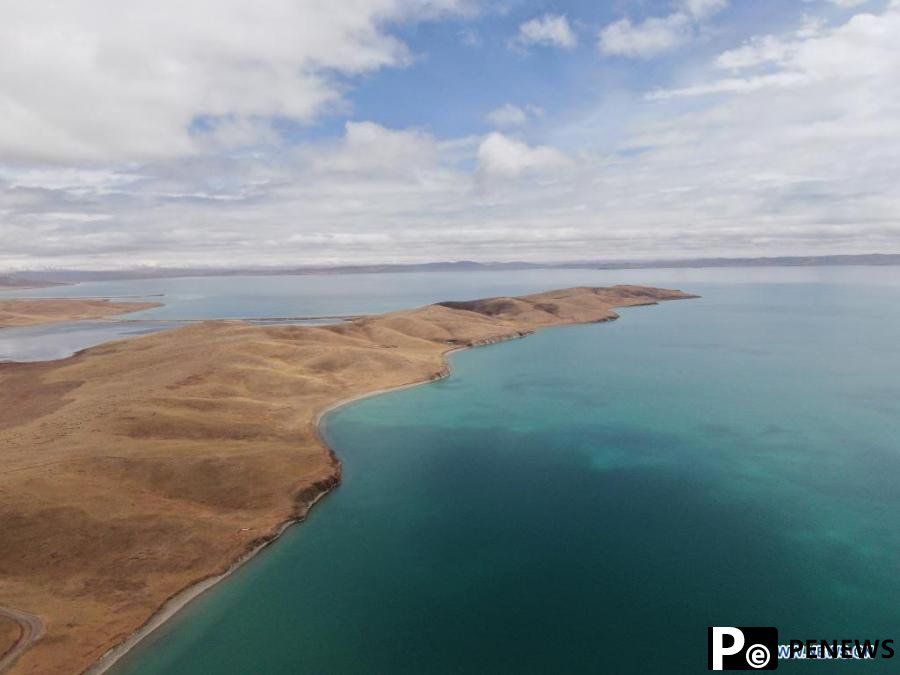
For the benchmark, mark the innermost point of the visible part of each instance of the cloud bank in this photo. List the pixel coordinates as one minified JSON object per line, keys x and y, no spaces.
{"x":779,"y":144}
{"x":91,"y":80}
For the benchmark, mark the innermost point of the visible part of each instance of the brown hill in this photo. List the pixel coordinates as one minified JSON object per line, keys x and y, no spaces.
{"x":136,"y":468}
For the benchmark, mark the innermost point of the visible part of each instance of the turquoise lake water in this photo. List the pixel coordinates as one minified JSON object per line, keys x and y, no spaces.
{"x":589,"y":499}
{"x":259,"y":298}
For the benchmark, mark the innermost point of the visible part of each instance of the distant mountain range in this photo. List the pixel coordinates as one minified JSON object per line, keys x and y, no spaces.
{"x":23,"y":280}
{"x":52,"y":276}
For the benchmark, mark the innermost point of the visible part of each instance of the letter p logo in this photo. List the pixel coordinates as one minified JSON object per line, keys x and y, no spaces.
{"x":717,"y":647}
{"x":728,"y":650}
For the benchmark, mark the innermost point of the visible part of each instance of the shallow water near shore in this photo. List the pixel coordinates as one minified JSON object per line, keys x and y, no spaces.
{"x":48,"y":342}
{"x":591,"y":498}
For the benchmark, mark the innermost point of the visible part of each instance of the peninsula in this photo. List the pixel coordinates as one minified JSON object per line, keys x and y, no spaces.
{"x":33,"y":311}
{"x":137,"y":469}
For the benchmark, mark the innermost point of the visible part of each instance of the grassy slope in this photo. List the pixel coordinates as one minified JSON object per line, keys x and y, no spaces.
{"x":135,"y":468}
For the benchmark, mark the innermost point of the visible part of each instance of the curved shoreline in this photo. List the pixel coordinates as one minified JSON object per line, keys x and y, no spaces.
{"x":269,"y":367}
{"x":183,"y":598}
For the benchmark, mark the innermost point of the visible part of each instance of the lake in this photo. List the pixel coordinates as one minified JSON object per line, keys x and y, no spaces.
{"x":591,"y":498}
{"x":260,"y":298}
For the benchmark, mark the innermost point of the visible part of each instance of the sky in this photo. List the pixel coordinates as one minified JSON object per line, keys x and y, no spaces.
{"x":229,"y":133}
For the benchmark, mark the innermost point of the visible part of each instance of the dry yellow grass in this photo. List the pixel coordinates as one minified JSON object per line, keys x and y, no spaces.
{"x":138,"y":467}
{"x":27,"y":312}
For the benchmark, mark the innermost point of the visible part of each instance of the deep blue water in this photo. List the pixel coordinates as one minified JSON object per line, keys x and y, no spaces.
{"x":591,"y":498}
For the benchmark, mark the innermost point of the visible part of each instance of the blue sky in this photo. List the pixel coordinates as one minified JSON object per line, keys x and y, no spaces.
{"x":451,"y":85}
{"x":222,"y":132}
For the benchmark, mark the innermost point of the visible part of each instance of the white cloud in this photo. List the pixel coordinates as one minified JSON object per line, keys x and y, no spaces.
{"x":511,"y":115}
{"x":90,"y":80}
{"x":703,"y":8}
{"x":759,"y":50}
{"x":656,"y":35}
{"x":648,"y":38}
{"x":549,"y":30}
{"x":507,"y":115}
{"x":733,"y":85}
{"x":502,"y":156}
{"x":229,"y":132}
{"x":863,"y":51}
{"x":68,"y":179}
{"x":792,"y":155}
{"x":370,"y":149}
